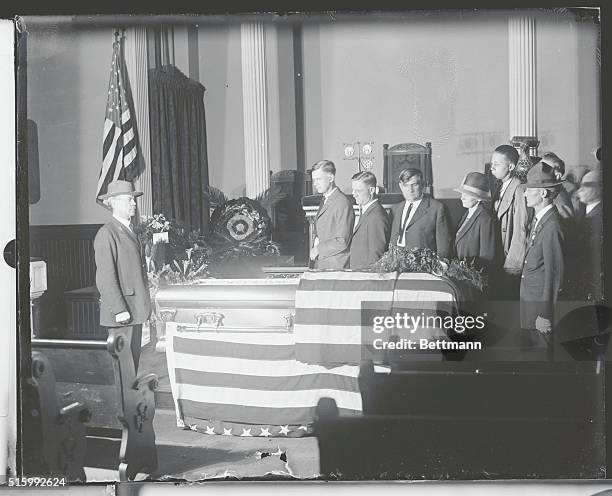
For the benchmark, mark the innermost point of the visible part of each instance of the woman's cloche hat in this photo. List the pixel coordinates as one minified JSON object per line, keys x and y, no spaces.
{"x":476,"y":185}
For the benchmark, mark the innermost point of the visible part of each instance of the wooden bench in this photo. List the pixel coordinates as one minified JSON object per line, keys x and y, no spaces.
{"x":100,"y":375}
{"x":445,"y":421}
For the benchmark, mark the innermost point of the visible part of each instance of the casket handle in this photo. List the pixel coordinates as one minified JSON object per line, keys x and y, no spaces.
{"x":167,"y":314}
{"x":289,"y":320}
{"x":209,"y":319}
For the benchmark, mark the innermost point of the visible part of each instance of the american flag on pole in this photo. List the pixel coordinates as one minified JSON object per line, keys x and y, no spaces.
{"x":119,"y":142}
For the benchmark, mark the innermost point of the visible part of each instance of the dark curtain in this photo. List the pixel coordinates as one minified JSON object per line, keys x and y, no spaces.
{"x":179,"y":160}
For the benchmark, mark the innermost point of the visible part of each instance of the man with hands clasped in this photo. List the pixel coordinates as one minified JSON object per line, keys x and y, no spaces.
{"x":121,"y":275}
{"x":543,"y":266}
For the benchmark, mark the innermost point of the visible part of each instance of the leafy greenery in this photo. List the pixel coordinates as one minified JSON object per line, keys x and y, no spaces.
{"x":426,"y":260}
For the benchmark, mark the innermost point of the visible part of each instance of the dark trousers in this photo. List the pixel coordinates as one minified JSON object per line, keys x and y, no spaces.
{"x":135,"y":334}
{"x":536,"y":346}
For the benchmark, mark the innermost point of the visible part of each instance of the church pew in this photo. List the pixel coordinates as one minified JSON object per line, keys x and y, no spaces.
{"x":503,"y":421}
{"x":56,"y":434}
{"x":100,"y":374}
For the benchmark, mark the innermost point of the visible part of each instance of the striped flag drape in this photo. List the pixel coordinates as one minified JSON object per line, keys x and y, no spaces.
{"x":119,"y":142}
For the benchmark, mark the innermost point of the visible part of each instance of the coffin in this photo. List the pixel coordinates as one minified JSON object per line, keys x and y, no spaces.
{"x":244,"y":359}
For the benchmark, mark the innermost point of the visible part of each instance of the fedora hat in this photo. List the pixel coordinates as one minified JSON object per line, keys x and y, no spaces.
{"x":542,"y":175}
{"x":476,"y":185}
{"x":119,"y":187}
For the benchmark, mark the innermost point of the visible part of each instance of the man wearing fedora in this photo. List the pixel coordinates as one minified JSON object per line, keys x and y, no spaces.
{"x":543,"y":265}
{"x":121,"y":275}
{"x":476,"y":240}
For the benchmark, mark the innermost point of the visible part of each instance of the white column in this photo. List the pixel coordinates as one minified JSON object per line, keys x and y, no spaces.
{"x":522,"y":62}
{"x":136,"y":62}
{"x":254,"y":108}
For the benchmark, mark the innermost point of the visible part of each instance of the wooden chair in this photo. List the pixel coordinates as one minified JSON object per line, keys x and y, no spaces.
{"x":403,"y":156}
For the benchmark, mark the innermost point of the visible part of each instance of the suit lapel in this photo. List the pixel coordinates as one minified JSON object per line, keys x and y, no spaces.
{"x":594,"y":212}
{"x":128,"y":232}
{"x":535,"y":235}
{"x":420,"y":211}
{"x":363,"y":216}
{"x":506,"y":200}
{"x":464,"y":229}
{"x":332,"y":198}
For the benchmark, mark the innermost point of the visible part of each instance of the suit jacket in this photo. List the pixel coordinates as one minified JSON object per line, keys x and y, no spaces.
{"x":428,"y":228}
{"x":589,"y":257}
{"x":477,"y":241}
{"x":121,"y":275}
{"x":370,"y":237}
{"x":334,"y":227}
{"x":513,"y":221}
{"x":542,"y":270}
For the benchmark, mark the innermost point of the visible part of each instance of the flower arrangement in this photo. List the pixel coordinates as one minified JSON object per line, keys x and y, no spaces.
{"x":240,"y":228}
{"x":426,"y":260}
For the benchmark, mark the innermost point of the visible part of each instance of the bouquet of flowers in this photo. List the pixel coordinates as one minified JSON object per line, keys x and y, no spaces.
{"x":426,"y":260}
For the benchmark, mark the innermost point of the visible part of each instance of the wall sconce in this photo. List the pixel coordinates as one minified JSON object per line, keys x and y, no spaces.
{"x":362,"y":152}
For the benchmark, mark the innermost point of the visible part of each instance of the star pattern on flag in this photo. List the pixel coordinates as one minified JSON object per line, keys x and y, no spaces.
{"x":265,"y":432}
{"x":210,"y":429}
{"x":303,"y":428}
{"x":193,"y":427}
{"x":227,"y":432}
{"x":284,"y":430}
{"x":246,"y":433}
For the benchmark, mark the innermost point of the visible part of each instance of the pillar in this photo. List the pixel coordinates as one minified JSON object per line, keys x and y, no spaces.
{"x":255,"y":110}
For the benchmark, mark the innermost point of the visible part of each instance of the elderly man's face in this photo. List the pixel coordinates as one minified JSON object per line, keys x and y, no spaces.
{"x":412,"y":189}
{"x":322,"y":181}
{"x":588,"y":193}
{"x":534,"y":197}
{"x":501,"y":166}
{"x":123,"y":206}
{"x":468,"y":201}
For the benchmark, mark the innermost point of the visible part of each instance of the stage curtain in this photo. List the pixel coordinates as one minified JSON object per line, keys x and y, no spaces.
{"x":179,"y":162}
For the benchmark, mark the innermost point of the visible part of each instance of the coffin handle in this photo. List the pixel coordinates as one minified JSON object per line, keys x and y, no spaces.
{"x":167,"y":314}
{"x":289,"y":321}
{"x":209,"y":319}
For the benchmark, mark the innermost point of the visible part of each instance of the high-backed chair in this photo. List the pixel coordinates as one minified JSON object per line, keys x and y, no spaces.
{"x":407,"y":155}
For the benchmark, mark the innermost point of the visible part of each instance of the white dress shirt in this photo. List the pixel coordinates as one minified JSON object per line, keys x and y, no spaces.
{"x":502,"y":190}
{"x":363,"y":209}
{"x":539,"y":215}
{"x":591,"y":206}
{"x":415,"y":204}
{"x":471,"y":211}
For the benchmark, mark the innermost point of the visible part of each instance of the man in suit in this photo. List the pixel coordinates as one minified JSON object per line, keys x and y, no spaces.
{"x":419,"y":221}
{"x":334,"y":222}
{"x":121,"y":275}
{"x":590,"y":240}
{"x":476,"y":238}
{"x":510,"y":209}
{"x":371,"y":232}
{"x":543,"y":265}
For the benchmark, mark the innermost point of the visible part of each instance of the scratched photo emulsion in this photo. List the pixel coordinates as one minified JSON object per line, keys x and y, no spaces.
{"x":359,"y":246}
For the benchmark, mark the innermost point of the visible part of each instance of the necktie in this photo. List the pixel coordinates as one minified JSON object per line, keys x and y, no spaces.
{"x":359,"y":218}
{"x":497,"y":196}
{"x":404,"y":225}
